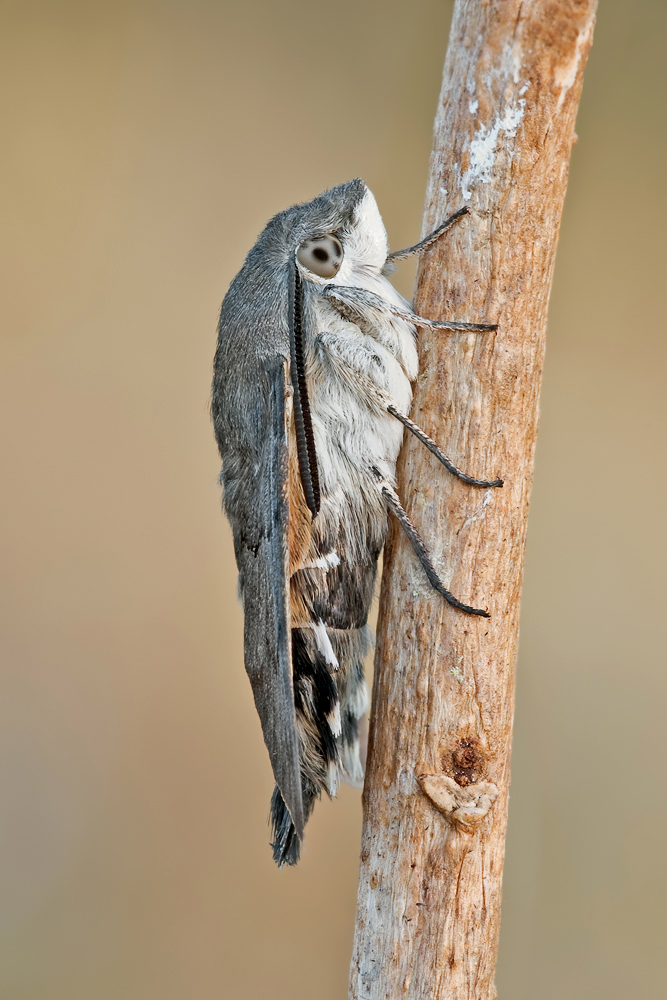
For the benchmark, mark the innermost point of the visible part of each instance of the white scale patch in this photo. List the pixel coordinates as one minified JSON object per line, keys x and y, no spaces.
{"x":324,"y":644}
{"x":329,"y":561}
{"x":483,"y":146}
{"x":334,"y":720}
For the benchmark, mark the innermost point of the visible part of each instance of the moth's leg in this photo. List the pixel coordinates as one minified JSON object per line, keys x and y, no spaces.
{"x":394,"y":504}
{"x":431,"y":239}
{"x":434,"y":324}
{"x":361,"y":382}
{"x":354,"y":304}
{"x":433,"y":448}
{"x":358,"y":370}
{"x":358,"y":305}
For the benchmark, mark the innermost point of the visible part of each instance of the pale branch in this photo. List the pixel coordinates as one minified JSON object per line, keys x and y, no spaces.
{"x":435,"y":798}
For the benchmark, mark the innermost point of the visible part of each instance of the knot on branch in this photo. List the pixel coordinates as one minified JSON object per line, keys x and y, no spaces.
{"x":465,"y":808}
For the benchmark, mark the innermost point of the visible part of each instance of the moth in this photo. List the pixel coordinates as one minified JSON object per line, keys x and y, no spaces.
{"x":311,"y":393}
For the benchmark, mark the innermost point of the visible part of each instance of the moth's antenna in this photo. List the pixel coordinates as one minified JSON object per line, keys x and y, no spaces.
{"x":395,"y":506}
{"x":429,"y":240}
{"x":303,"y":424}
{"x":432,"y":447}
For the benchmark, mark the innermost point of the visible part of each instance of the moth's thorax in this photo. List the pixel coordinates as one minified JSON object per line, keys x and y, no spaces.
{"x":350,"y":367}
{"x":366,"y":244}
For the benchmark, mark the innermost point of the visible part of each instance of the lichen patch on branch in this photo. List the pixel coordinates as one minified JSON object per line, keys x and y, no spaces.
{"x":482,"y":148}
{"x":567,"y":74}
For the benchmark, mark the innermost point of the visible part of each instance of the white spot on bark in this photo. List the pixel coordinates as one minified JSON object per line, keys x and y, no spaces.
{"x":479,"y":513}
{"x":483,"y":147}
{"x":473,"y":106}
{"x":566,"y":75}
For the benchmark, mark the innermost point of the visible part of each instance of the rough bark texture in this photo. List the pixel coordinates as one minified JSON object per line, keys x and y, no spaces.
{"x":435,"y":799}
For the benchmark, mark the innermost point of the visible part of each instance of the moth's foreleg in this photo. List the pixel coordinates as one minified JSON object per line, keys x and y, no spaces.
{"x":433,"y":448}
{"x":429,"y":240}
{"x":394,"y":504}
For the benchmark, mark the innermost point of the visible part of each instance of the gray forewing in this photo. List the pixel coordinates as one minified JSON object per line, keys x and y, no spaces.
{"x":257,"y":504}
{"x":263,"y":565}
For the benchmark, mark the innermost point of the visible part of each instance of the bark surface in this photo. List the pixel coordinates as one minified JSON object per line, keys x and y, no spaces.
{"x":435,"y":798}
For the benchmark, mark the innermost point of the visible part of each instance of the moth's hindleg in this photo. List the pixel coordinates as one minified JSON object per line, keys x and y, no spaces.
{"x":394,"y":504}
{"x":433,"y":448}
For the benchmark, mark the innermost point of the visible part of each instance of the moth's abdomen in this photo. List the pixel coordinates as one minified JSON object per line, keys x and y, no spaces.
{"x":331,"y":590}
{"x":330,"y":696}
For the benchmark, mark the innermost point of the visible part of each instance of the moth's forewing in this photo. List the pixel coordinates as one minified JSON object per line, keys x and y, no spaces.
{"x":264,"y":565}
{"x":250,"y":418}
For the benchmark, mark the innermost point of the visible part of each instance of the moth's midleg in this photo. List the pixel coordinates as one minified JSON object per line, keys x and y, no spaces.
{"x":352,"y":302}
{"x":437,"y":324}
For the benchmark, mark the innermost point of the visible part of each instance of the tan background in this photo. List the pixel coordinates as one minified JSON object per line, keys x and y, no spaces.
{"x":145,"y":145}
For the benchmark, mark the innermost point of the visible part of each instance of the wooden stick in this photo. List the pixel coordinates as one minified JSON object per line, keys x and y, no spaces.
{"x":435,"y":798}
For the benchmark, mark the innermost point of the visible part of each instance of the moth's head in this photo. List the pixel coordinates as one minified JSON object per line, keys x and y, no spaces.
{"x":337,"y":234}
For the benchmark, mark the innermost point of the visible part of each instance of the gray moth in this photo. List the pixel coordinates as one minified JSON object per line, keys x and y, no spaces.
{"x":312,"y":388}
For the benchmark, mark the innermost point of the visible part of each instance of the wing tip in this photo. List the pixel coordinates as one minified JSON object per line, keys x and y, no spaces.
{"x":286,"y":830}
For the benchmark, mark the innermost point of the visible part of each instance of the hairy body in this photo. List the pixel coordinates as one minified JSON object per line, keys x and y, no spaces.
{"x":310,"y":378}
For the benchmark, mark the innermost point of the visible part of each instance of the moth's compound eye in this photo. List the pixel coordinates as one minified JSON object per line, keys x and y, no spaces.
{"x":322,"y":255}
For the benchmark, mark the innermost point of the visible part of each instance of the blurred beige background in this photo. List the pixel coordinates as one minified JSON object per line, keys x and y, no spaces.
{"x":146,"y":142}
